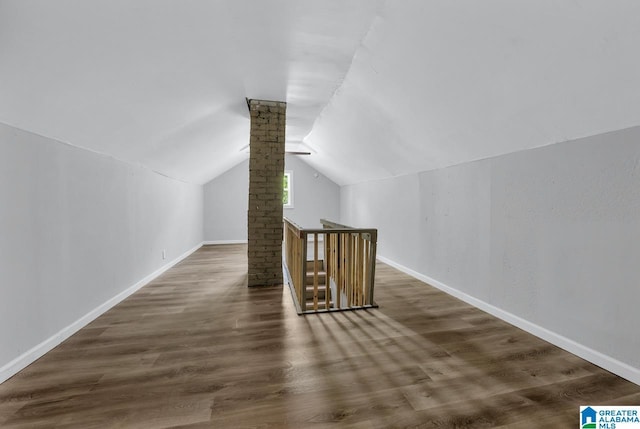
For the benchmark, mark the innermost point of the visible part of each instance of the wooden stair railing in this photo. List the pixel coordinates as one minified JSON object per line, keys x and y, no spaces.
{"x":330,"y":269}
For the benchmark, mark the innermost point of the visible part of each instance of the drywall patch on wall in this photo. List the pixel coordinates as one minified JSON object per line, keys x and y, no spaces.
{"x":551,"y":235}
{"x":78,"y":229}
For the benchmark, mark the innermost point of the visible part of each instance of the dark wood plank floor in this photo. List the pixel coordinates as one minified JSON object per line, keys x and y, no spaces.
{"x":197,"y":349}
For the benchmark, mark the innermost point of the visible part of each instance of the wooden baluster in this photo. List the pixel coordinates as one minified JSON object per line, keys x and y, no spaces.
{"x":339,"y":269}
{"x":315,"y":271}
{"x":349,"y":271}
{"x":356,"y":240}
{"x":349,"y":266}
{"x":335,"y":274}
{"x":302,"y":264}
{"x":297,"y":263}
{"x":366,"y":272}
{"x":354,"y":269}
{"x":372,"y":267}
{"x":362,"y":268}
{"x":345,"y":269}
{"x":327,"y":278}
{"x":358,"y":271}
{"x":336,"y":268}
{"x":292,"y":271}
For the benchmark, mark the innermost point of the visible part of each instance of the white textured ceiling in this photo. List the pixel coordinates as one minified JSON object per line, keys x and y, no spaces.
{"x":374,"y":88}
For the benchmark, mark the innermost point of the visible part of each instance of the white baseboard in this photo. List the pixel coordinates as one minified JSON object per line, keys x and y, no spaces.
{"x":30,"y":356}
{"x":607,"y":362}
{"x":213,"y":243}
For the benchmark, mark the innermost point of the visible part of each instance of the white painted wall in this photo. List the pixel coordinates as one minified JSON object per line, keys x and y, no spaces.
{"x":226,"y":198}
{"x":547,"y":238}
{"x":315,"y":196}
{"x":225,"y":206}
{"x":76,"y":230}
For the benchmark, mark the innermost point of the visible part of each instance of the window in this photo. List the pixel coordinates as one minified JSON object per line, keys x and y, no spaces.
{"x":287,"y":190}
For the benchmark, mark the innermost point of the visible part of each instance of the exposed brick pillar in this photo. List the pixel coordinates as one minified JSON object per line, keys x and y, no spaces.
{"x":266,"y":170}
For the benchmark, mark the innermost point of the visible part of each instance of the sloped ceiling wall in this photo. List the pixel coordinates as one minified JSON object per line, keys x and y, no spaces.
{"x":163,"y":82}
{"x":439,"y":83}
{"x":375,"y":88}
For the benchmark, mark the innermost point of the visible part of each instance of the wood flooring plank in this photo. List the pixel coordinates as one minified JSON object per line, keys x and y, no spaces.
{"x":196,"y":348}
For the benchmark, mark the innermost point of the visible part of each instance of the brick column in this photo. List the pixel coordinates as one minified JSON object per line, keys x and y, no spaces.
{"x":266,"y":170}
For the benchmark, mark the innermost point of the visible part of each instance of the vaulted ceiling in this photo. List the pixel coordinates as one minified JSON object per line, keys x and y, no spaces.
{"x":374,"y":88}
